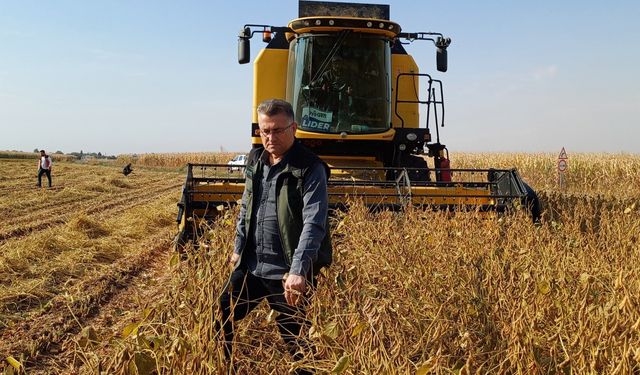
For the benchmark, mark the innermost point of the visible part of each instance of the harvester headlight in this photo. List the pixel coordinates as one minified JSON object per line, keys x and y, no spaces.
{"x":318,"y":22}
{"x":412,"y":137}
{"x":381,"y":25}
{"x":331,"y":22}
{"x":402,"y":147}
{"x":369,"y":24}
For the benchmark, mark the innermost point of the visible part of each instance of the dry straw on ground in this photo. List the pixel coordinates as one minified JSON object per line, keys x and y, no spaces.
{"x":62,"y":248}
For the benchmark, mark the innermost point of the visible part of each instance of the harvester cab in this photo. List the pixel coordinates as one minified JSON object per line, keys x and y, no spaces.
{"x":357,"y":98}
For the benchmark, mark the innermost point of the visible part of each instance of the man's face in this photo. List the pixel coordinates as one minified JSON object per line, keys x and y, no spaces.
{"x":41,"y":153}
{"x":277,"y":133}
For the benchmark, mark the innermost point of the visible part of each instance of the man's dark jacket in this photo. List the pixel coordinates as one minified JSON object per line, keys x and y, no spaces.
{"x":289,"y":201}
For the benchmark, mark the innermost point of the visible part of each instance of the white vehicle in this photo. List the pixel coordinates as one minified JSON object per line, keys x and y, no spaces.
{"x":237,"y":163}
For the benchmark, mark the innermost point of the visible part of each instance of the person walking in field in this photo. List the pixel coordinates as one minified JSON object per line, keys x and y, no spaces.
{"x":282,"y":233}
{"x":44,"y":167}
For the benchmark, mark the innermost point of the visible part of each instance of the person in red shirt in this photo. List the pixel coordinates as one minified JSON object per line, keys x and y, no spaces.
{"x":44,"y":167}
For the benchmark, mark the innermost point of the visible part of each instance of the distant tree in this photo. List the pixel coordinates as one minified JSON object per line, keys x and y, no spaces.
{"x":59,"y":152}
{"x":36,"y":150}
{"x":99,"y":154}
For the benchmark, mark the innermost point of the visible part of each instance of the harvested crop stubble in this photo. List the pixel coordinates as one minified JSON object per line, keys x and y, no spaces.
{"x":85,"y":188}
{"x":59,"y":255}
{"x":60,"y":277}
{"x":58,"y":236}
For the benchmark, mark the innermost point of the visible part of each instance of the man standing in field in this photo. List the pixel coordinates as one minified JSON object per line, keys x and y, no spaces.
{"x":282,"y":234}
{"x":44,"y":167}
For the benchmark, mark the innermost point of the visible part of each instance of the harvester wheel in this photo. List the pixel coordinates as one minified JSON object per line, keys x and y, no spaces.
{"x":532,"y":203}
{"x":422,"y":174}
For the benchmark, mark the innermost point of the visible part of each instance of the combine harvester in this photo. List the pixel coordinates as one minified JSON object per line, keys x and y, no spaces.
{"x":357,"y":97}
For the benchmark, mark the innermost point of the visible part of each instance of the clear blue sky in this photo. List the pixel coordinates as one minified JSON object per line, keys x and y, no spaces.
{"x":162,"y":76}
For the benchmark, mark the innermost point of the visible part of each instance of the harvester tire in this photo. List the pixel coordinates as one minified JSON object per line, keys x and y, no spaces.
{"x":413,"y":161}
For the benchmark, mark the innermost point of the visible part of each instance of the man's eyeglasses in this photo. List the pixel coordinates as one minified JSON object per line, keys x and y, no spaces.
{"x":274,"y":132}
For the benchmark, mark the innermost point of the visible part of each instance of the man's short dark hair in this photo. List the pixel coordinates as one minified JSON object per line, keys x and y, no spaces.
{"x":41,"y":151}
{"x":272,"y":107}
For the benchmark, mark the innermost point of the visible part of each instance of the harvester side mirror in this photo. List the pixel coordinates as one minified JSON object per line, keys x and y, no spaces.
{"x":244,"y":50}
{"x":441,"y":53}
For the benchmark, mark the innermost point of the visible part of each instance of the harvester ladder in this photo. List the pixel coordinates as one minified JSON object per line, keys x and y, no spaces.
{"x":432,"y":100}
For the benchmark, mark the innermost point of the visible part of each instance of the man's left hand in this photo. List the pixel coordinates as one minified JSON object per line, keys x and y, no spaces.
{"x":294,"y":288}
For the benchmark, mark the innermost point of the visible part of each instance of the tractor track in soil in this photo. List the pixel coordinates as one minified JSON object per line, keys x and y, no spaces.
{"x":147,"y":286}
{"x":33,"y":204}
{"x":21,"y":181}
{"x":50,"y":209}
{"x":85,"y":187}
{"x":106,"y":208}
{"x":48,"y":340}
{"x":20,"y":188}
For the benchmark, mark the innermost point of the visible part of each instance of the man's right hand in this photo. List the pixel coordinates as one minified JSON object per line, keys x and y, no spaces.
{"x":233,"y":259}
